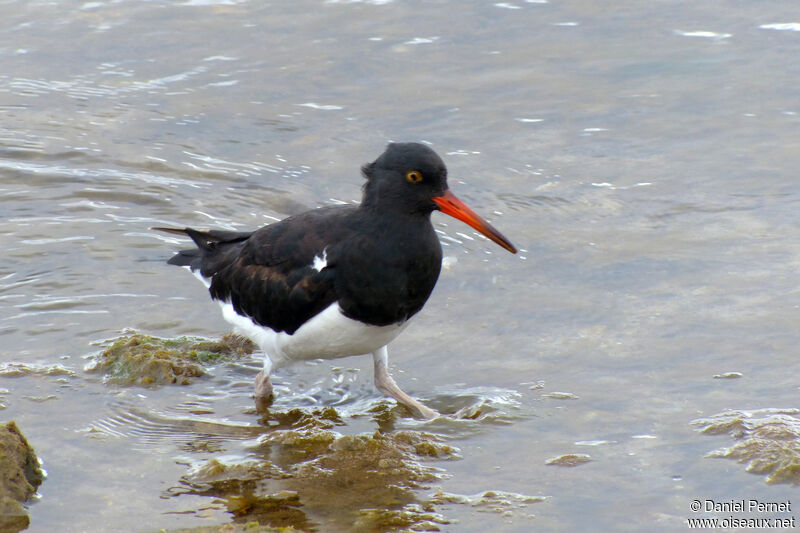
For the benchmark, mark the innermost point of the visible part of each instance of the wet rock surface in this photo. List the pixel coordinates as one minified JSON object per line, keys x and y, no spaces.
{"x":252,"y":527}
{"x":767,"y":441}
{"x":302,"y":472}
{"x":20,"y":475}
{"x":569,"y":459}
{"x":146,"y":360}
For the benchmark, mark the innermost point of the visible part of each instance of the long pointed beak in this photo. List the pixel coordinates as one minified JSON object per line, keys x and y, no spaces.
{"x":449,"y":204}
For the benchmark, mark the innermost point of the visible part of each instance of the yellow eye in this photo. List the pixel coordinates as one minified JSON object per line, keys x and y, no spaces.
{"x":414,"y":176}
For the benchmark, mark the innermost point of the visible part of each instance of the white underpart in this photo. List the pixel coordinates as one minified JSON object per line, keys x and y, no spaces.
{"x":320,"y":262}
{"x":327,"y":335}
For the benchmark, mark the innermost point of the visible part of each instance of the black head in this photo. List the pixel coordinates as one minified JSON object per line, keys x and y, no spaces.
{"x":406,"y":177}
{"x":409,"y":178}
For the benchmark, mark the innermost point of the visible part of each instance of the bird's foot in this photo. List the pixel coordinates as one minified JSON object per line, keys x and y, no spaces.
{"x":421,"y":411}
{"x":263,"y":391}
{"x":386,"y":384}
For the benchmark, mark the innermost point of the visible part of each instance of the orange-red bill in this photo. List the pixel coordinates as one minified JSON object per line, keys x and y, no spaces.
{"x":449,"y":204}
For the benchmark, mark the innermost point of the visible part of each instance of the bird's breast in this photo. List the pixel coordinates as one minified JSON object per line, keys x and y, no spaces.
{"x":389,"y":288}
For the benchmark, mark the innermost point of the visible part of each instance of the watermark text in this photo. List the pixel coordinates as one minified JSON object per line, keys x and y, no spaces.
{"x":722,"y":514}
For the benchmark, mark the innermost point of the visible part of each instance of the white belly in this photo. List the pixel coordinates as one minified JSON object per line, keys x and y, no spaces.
{"x":328,"y":335}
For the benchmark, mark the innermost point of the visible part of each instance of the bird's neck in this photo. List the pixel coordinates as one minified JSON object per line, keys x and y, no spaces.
{"x":389,"y":218}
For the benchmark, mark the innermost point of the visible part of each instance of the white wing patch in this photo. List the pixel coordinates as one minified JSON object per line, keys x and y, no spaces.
{"x":320,"y":262}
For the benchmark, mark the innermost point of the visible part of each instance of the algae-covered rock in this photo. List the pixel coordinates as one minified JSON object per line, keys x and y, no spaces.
{"x":768,"y":441}
{"x":215,"y":476}
{"x":14,"y":369}
{"x":146,"y":360}
{"x":20,"y":475}
{"x":385,"y":466}
{"x":412,"y":517}
{"x":324,"y":418}
{"x":569,"y":459}
{"x":494,"y":501}
{"x":301,"y":471}
{"x":250,"y":527}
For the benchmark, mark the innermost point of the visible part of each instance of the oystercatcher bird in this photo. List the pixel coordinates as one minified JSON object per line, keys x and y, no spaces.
{"x":341,"y":280}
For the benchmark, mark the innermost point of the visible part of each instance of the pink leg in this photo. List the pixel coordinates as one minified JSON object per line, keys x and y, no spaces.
{"x":263,"y":386}
{"x":385,"y":384}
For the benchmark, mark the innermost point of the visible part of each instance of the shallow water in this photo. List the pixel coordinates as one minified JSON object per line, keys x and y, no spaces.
{"x":642,"y":155}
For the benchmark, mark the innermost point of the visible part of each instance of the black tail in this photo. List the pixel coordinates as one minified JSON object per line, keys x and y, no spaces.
{"x":208,"y":246}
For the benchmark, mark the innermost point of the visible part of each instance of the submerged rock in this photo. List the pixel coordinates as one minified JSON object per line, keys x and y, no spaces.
{"x":20,"y":475}
{"x":569,"y":459}
{"x":412,"y":517}
{"x":251,"y":527}
{"x":14,"y":369}
{"x":768,"y":441}
{"x":494,"y":501}
{"x":146,"y":360}
{"x":302,"y":472}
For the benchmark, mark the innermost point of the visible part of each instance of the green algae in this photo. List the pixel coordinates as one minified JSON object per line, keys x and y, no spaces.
{"x":20,"y":475}
{"x":146,"y":360}
{"x":768,"y":441}
{"x":279,"y":509}
{"x":324,"y":418}
{"x":569,"y":459}
{"x":493,"y":501}
{"x":341,"y":476}
{"x":250,"y":527}
{"x":412,"y":517}
{"x":14,"y":369}
{"x":217,"y":477}
{"x":302,"y":472}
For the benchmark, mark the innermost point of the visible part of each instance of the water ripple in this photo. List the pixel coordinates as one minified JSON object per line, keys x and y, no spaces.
{"x":152,"y":429}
